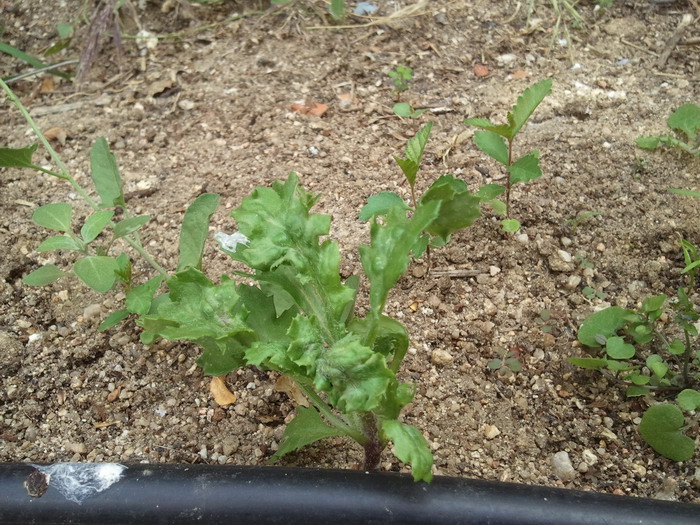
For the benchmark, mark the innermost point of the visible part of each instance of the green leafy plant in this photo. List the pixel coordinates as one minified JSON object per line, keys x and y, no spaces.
{"x":652,"y":359}
{"x":401,"y":76}
{"x":543,"y":320}
{"x":298,"y":318}
{"x":497,"y":142}
{"x":685,"y":122}
{"x":507,"y":363}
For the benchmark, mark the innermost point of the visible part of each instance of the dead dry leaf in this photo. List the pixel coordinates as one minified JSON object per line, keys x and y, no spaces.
{"x":287,"y":385}
{"x":222,"y":395}
{"x":114,"y":394}
{"x":519,"y":74}
{"x":309,"y":108}
{"x":56,"y":134}
{"x":481,"y":71}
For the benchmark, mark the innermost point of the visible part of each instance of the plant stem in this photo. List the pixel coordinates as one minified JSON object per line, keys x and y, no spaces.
{"x":510,"y":162}
{"x":686,"y":359}
{"x":326,"y":411}
{"x":65,"y":174}
{"x":373,"y":446}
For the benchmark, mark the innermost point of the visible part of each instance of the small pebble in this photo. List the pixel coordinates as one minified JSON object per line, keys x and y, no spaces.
{"x":562,"y":467}
{"x":522,"y":238}
{"x":565,"y":256}
{"x":491,"y":431}
{"x":441,"y":357}
{"x":91,"y":311}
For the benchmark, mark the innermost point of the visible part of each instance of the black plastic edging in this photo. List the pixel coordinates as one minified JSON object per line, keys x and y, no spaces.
{"x":210,"y":494}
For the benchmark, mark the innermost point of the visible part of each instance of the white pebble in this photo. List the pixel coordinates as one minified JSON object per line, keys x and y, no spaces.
{"x":562,"y":467}
{"x":565,"y":256}
{"x":491,"y":431}
{"x":441,"y":357}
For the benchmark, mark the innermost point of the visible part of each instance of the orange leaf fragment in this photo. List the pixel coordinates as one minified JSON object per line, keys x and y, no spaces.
{"x":309,"y":108}
{"x":114,"y":394}
{"x":222,"y":395}
{"x":481,"y":71}
{"x":519,"y":74}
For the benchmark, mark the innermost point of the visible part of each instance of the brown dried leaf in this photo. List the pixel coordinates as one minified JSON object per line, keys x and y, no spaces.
{"x":56,"y":134}
{"x":222,"y":395}
{"x":287,"y":385}
{"x":309,"y":108}
{"x":114,"y":394}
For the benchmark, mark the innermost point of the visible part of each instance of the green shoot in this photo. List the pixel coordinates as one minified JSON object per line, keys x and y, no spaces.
{"x":685,"y":122}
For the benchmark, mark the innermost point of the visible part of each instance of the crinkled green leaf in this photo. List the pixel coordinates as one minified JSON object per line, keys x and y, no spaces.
{"x":527,"y":103}
{"x":387,"y":257}
{"x":605,"y":323}
{"x":636,"y":391}
{"x":661,"y":427}
{"x":97,"y":271}
{"x":95,"y":224}
{"x":380,"y":204}
{"x":113,"y":319}
{"x":284,"y":249}
{"x":55,"y":216}
{"x":410,"y":447}
{"x":44,"y":275}
{"x":687,"y":120}
{"x":194,"y":230}
{"x":526,"y":168}
{"x":220,"y":356}
{"x":17,"y":157}
{"x":689,"y":399}
{"x":139,"y":298}
{"x":414,"y":153}
{"x":195,"y":308}
{"x":354,"y":377}
{"x":130,"y":225}
{"x":59,"y":242}
{"x":492,"y":144}
{"x":458,"y":207}
{"x":306,"y":428}
{"x":391,"y":339}
{"x":105,"y":174}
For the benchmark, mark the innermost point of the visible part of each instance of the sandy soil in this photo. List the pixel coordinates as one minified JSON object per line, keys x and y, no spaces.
{"x":211,"y":111}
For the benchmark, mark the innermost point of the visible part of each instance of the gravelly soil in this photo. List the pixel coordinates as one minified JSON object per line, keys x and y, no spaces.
{"x":210,"y":111}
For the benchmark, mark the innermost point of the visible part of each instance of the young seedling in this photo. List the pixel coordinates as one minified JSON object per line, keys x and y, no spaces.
{"x":631,"y":346}
{"x":507,"y":363}
{"x":497,"y":142}
{"x":580,"y":219}
{"x":401,"y":76}
{"x":685,"y":122}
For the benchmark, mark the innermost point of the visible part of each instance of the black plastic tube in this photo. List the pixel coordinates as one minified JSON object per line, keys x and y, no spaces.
{"x":204,"y":494}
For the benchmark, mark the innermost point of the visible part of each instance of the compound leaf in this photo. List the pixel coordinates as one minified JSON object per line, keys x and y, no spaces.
{"x":414,"y":153}
{"x":527,"y":103}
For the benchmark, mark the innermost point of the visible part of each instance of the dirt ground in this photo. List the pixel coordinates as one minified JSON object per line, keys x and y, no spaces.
{"x":211,"y":111}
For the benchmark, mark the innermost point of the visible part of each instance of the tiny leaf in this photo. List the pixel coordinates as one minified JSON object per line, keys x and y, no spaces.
{"x":17,"y":157}
{"x":590,"y":363}
{"x":139,"y":299}
{"x":94,"y":224}
{"x":605,"y":323}
{"x":195,"y":228}
{"x":55,"y":216}
{"x":97,"y":271}
{"x":510,"y":225}
{"x":380,"y":204}
{"x":105,"y":174}
{"x":492,"y":144}
{"x":616,"y":348}
{"x":59,"y":242}
{"x":414,"y":153}
{"x":306,"y":428}
{"x":410,"y":447}
{"x":661,"y":428}
{"x":113,"y":319}
{"x":44,"y":275}
{"x":689,"y":399}
{"x":130,"y":225}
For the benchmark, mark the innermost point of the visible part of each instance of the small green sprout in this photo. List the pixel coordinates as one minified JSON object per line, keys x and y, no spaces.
{"x":507,"y":363}
{"x":401,"y":76}
{"x":580,"y":219}
{"x":497,"y":142}
{"x":685,"y":122}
